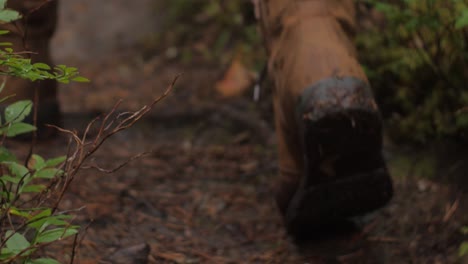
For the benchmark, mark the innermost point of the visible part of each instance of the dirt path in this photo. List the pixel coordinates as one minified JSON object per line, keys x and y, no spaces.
{"x":202,"y":195}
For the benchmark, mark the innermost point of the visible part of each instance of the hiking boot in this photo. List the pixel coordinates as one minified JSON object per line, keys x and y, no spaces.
{"x":32,"y":33}
{"x":328,"y":124}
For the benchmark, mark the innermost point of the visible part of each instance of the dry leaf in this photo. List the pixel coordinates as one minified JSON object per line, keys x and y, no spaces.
{"x":172,"y":256}
{"x":236,"y":80}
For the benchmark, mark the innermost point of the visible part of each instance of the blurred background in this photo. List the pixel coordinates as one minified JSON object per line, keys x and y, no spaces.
{"x":413,"y":52}
{"x":214,"y":153}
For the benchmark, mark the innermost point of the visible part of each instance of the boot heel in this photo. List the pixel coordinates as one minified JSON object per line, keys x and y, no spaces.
{"x":345,"y":172}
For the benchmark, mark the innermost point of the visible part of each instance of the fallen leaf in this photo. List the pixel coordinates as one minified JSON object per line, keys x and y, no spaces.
{"x":236,"y":80}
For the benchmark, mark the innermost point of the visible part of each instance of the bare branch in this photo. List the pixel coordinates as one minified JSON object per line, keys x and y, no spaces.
{"x":135,"y":157}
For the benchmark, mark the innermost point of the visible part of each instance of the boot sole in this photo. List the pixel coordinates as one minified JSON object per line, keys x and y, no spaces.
{"x":346,"y":175}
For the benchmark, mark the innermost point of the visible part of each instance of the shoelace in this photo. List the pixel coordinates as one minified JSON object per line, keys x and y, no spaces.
{"x":258,"y":84}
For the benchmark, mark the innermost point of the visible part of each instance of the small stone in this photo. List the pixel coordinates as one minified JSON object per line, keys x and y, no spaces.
{"x":423,"y":185}
{"x":137,"y":254}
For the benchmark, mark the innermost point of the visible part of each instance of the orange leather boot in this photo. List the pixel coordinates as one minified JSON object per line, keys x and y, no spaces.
{"x":33,"y":33}
{"x":328,"y":124}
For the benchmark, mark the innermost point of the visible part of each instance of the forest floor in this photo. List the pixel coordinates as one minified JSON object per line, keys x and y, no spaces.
{"x":201,"y":194}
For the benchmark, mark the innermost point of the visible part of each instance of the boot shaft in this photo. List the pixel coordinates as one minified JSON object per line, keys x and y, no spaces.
{"x":309,"y":43}
{"x":276,"y":15}
{"x":312,"y":35}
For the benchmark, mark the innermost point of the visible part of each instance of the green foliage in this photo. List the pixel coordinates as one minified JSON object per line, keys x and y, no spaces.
{"x":27,"y":221}
{"x":7,"y":15}
{"x":417,"y":62}
{"x":463,"y":249}
{"x":214,"y":30}
{"x":14,"y":64}
{"x":35,"y":225}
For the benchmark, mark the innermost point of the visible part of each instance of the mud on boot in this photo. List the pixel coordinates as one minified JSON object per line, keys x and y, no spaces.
{"x":345,"y":174}
{"x":328,"y":125}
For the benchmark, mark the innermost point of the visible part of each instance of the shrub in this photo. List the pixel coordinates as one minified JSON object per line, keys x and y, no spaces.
{"x":28,"y":218}
{"x":417,"y":63}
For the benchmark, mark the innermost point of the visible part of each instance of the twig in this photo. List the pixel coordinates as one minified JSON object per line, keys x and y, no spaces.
{"x":384,"y":239}
{"x":84,"y":233}
{"x":348,"y":257}
{"x":104,"y":121}
{"x":80,"y":155}
{"x":34,"y":134}
{"x":450,"y":210}
{"x":75,"y":240}
{"x":109,"y":171}
{"x":26,"y":18}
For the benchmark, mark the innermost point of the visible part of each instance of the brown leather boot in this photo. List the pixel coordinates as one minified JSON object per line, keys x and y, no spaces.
{"x":33,"y":33}
{"x":328,"y":124}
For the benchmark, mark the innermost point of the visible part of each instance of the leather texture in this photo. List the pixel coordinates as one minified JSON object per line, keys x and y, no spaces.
{"x":316,"y":75}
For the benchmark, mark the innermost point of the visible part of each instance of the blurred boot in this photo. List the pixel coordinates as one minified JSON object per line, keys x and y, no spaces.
{"x":33,"y":33}
{"x":328,"y":124}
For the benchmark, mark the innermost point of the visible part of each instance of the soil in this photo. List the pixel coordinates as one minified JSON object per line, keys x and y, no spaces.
{"x":202,"y":193}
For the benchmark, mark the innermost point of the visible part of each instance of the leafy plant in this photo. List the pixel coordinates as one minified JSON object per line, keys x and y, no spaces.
{"x":417,"y":62}
{"x":27,"y":222}
{"x":463,"y":249}
{"x":31,"y":191}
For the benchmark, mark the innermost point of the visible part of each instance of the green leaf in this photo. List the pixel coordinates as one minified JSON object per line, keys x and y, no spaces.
{"x":48,"y":173}
{"x":464,"y":230}
{"x":18,"y":111}
{"x":44,"y":213}
{"x":63,"y":80}
{"x":5,"y":195}
{"x":6,"y":155}
{"x":55,"y":161}
{"x":18,"y":129}
{"x":8,"y":178}
{"x":40,"y":224}
{"x":70,"y":69}
{"x":8,"y":15}
{"x":36,"y":162}
{"x":56,"y":234}
{"x":385,"y":8}
{"x":17,"y":169}
{"x":463,"y":249}
{"x":5,"y":253}
{"x":18,"y":212}
{"x":17,"y":242}
{"x":80,"y":79}
{"x":3,"y":4}
{"x":33,"y":188}
{"x":33,"y":222}
{"x":41,"y":66}
{"x":42,"y":261}
{"x":462,"y":20}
